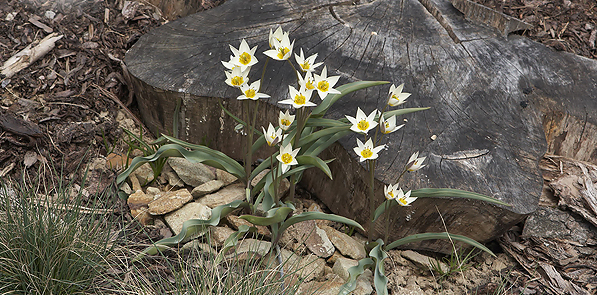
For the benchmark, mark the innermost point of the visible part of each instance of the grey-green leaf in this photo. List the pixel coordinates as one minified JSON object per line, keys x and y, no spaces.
{"x":435,"y":236}
{"x":453,"y":193}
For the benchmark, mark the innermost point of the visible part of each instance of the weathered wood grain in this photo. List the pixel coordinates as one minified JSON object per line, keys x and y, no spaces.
{"x":486,"y":92}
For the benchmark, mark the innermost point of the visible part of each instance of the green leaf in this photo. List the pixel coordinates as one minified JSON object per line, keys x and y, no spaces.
{"x":191,"y":228}
{"x":203,"y":155}
{"x":399,"y":112}
{"x":278,"y":216}
{"x":316,"y":162}
{"x":317,"y":216}
{"x":354,"y":272}
{"x":453,"y":193}
{"x":232,"y":241}
{"x":321,"y":122}
{"x":322,"y":133}
{"x":387,"y":204}
{"x":330,"y":99}
{"x":379,"y":277}
{"x":435,"y":236}
{"x":322,"y":143}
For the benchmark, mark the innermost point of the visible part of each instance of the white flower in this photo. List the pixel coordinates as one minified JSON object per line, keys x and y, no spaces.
{"x":236,"y":77}
{"x":250,"y":91}
{"x":278,"y":35}
{"x":396,"y":97}
{"x":388,"y":126}
{"x":362,"y":123}
{"x":282,"y":50}
{"x":404,"y":199}
{"x":244,"y":56}
{"x":308,"y":81}
{"x":390,"y":191}
{"x":367,"y":151}
{"x":228,"y":64}
{"x":414,"y":163}
{"x":272,"y":136}
{"x":324,"y":84}
{"x":287,"y":157}
{"x":285,"y":120}
{"x":308,"y":64}
{"x":299,"y":99}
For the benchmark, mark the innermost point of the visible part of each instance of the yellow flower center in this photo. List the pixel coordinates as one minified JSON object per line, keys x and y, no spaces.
{"x":282,"y":52}
{"x":366,"y":153}
{"x":285,"y":122}
{"x":286,"y":158}
{"x":403,"y":201}
{"x":309,"y":85}
{"x":391,"y":194}
{"x":250,"y":93}
{"x":299,"y":99}
{"x":305,"y":65}
{"x":323,"y":86}
{"x":363,"y":125}
{"x":245,"y":58}
{"x":237,"y":81}
{"x":394,"y":96}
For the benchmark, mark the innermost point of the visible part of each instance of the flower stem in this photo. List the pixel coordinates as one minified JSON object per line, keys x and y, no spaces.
{"x":371,"y":199}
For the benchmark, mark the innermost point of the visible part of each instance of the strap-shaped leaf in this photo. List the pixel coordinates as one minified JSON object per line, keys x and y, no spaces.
{"x":387,"y":204}
{"x":323,"y":122}
{"x":435,"y":236}
{"x":399,"y":112}
{"x":317,"y":216}
{"x":192,"y":227}
{"x":323,"y":133}
{"x":232,"y":240}
{"x":278,"y":216}
{"x":453,"y":193}
{"x":353,"y":274}
{"x":330,"y":99}
{"x":204,"y":155}
{"x":315,"y":162}
{"x":379,"y":276}
{"x":322,"y":143}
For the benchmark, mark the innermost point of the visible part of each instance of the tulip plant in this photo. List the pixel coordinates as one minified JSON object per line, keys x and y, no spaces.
{"x":296,"y":143}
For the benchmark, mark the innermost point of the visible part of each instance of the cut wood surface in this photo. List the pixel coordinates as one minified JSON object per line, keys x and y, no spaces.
{"x":488,"y":95}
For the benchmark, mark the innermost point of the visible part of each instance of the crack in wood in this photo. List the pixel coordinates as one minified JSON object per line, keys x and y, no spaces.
{"x":469,"y":154}
{"x":432,"y":9}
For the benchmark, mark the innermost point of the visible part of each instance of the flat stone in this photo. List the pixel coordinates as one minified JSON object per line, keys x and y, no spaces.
{"x":189,"y":211}
{"x":313,"y":237}
{"x":224,"y":196}
{"x":332,"y":286}
{"x":193,"y":174}
{"x":207,"y":188}
{"x":167,"y":202}
{"x":311,"y":267}
{"x":138,"y":204}
{"x":424,"y":262}
{"x":173,"y":178}
{"x":282,"y":189}
{"x":225,"y":177}
{"x":342,"y":265}
{"x":345,"y":243}
{"x":144,"y":174}
{"x":152,"y":191}
{"x":236,"y":222}
{"x":219,"y":234}
{"x":249,"y":249}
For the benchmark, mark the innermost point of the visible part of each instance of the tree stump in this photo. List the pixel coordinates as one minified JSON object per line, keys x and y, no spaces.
{"x":489,"y":96}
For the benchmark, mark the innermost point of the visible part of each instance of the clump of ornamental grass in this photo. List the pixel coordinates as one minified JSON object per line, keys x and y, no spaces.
{"x":49,"y":242}
{"x":301,"y":134}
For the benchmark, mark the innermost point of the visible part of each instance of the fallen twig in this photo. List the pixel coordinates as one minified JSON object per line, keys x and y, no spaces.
{"x":29,"y":55}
